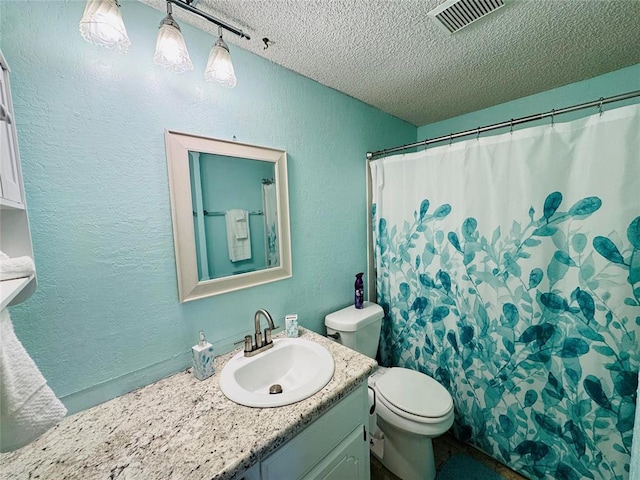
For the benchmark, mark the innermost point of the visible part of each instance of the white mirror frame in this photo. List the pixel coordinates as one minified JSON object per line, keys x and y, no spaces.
{"x":178,"y":145}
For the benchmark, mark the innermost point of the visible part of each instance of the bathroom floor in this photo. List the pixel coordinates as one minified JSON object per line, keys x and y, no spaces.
{"x":444,"y":447}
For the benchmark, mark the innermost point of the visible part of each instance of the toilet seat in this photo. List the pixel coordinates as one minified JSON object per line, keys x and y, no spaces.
{"x":413,"y":395}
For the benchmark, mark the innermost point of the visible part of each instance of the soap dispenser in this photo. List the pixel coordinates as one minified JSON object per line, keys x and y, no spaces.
{"x":203,"y":359}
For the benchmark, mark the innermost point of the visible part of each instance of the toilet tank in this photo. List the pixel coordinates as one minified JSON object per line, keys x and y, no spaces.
{"x":358,"y":329}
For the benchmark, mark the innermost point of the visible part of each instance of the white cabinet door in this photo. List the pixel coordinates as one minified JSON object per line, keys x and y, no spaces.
{"x":318,"y":448}
{"x":348,"y":461}
{"x":9,"y":166}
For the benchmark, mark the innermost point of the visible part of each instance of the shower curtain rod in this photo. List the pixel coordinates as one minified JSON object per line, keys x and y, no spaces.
{"x":207,"y":213}
{"x":509,"y":123}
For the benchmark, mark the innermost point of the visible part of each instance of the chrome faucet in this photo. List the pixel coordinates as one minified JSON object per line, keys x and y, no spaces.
{"x":267,"y":331}
{"x":260,"y":345}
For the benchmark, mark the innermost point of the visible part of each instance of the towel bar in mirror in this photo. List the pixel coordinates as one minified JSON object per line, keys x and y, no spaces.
{"x":230,"y":212}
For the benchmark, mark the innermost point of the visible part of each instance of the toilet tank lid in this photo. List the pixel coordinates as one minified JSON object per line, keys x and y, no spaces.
{"x":350,"y":319}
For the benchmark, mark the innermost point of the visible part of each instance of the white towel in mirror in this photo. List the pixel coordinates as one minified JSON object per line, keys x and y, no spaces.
{"x":239,"y":248}
{"x":241,"y":224}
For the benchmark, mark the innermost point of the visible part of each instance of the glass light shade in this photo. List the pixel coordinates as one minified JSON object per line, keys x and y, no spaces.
{"x":102,"y":25}
{"x":171,"y":51}
{"x":219,"y":67}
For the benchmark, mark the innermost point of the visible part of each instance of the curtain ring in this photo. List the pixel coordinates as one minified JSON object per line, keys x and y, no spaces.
{"x":511,"y":126}
{"x":450,"y":138}
{"x":600,"y":105}
{"x":553,"y":118}
{"x":478,"y":134}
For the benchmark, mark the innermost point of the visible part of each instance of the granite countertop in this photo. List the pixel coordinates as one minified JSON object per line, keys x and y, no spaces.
{"x":178,"y":428}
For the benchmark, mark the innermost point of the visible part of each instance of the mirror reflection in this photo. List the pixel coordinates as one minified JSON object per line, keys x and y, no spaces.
{"x":235,"y":214}
{"x":230,"y":212}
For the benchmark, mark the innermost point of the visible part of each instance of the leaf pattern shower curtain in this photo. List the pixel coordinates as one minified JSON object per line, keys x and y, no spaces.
{"x":508,"y":268}
{"x":270,"y":209}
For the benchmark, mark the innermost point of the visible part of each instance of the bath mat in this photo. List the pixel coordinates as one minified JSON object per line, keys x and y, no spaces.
{"x":462,"y":467}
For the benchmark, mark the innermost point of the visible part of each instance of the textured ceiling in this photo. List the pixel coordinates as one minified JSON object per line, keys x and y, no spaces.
{"x":391,"y":55}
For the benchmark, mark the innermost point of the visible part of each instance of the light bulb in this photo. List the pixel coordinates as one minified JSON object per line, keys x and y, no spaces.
{"x":171,"y":50}
{"x":102,"y":24}
{"x":219,"y":67}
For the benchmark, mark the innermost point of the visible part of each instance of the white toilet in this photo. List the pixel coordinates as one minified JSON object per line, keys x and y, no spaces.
{"x":411,"y":407}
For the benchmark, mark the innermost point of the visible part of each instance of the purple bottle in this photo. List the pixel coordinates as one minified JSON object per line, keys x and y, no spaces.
{"x":359,"y":286}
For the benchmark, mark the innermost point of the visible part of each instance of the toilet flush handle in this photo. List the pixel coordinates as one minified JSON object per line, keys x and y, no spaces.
{"x":335,"y":335}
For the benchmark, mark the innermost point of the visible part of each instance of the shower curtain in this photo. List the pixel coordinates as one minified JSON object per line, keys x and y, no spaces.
{"x":269,"y":202}
{"x":508,"y":268}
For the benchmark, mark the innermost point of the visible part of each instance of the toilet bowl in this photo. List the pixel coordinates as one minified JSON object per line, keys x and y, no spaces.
{"x":411,"y":408}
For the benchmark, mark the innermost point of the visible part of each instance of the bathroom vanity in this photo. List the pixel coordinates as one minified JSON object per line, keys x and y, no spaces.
{"x":333,"y":447}
{"x":183,"y":428}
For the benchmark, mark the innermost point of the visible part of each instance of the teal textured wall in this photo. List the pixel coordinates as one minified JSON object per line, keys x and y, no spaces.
{"x":105,"y":318}
{"x":613,"y":83}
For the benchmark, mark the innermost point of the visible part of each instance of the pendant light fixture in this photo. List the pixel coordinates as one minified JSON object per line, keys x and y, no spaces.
{"x":171,"y":50}
{"x":219,"y":67}
{"x":102,"y":24}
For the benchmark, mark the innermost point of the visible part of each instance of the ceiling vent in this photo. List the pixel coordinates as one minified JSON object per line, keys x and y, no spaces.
{"x":454,"y":15}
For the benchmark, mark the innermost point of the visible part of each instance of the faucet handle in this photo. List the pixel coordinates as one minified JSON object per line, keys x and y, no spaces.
{"x":267,"y":333}
{"x":248,"y":346}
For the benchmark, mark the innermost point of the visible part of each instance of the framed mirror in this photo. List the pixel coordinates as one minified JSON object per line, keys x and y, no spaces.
{"x":230,"y":212}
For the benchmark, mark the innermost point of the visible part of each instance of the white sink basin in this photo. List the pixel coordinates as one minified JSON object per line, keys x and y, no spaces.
{"x":301,"y":367}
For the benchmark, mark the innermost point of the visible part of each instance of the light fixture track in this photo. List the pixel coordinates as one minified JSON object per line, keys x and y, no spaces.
{"x":188,"y":7}
{"x":102,"y":24}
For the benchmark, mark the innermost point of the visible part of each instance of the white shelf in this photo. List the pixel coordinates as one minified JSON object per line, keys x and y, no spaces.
{"x":15,"y":235}
{"x":6,"y":204}
{"x":10,"y":288}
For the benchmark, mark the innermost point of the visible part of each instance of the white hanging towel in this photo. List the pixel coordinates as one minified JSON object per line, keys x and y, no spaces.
{"x":28,"y":407}
{"x":238,"y":235}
